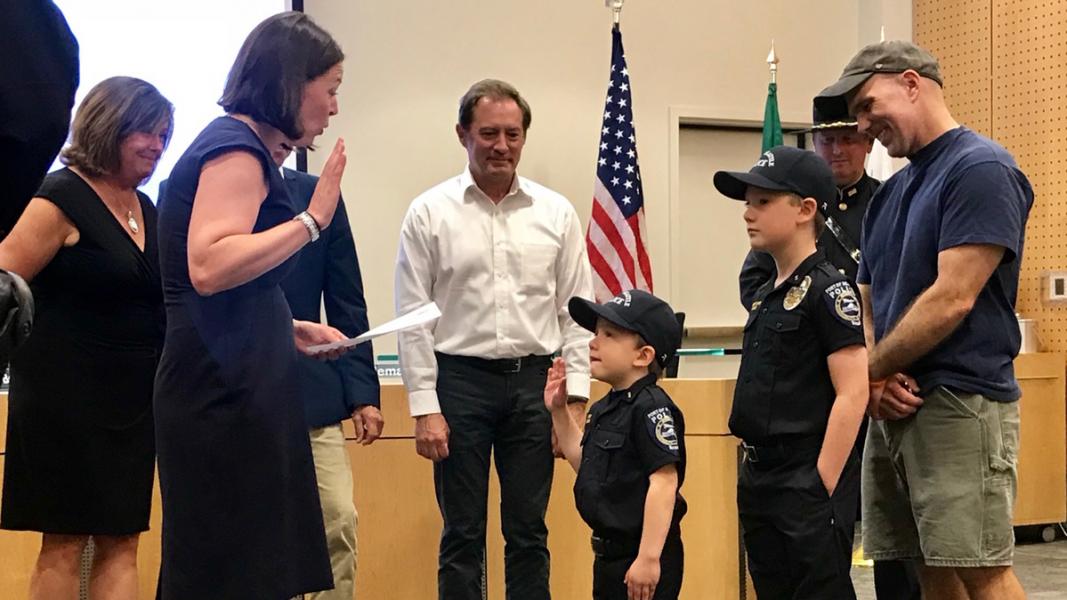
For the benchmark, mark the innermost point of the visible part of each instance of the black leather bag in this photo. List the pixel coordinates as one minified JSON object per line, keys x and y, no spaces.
{"x":16,"y":313}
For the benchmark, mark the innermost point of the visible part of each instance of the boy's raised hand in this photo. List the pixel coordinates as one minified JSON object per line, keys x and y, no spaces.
{"x":556,"y":386}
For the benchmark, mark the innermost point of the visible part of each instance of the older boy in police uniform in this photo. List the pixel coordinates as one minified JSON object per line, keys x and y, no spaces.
{"x":837,"y":141}
{"x":801,"y":389}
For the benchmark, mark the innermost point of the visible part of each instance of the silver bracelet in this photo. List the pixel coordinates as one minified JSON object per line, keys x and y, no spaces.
{"x":309,"y":222}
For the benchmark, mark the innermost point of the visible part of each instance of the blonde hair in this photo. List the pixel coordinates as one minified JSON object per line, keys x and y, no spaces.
{"x":818,"y":221}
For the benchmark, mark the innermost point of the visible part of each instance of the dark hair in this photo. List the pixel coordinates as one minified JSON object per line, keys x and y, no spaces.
{"x":276,"y":61}
{"x":115,"y":108}
{"x":495,"y":90}
{"x":820,"y":224}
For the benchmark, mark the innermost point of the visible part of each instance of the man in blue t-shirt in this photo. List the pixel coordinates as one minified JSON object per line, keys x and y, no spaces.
{"x":941,"y":246}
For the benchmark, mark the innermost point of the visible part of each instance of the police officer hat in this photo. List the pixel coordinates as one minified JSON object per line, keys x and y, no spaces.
{"x":637,"y":311}
{"x":831,"y":113}
{"x":782,"y":169}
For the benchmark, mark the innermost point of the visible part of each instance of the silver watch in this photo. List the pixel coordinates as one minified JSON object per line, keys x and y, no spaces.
{"x":309,"y":222}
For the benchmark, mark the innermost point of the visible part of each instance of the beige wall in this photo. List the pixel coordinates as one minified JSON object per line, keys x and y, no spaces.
{"x":895,"y":16}
{"x":409,"y":62}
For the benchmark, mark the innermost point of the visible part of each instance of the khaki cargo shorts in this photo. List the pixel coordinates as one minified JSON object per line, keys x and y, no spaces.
{"x":939,"y":486}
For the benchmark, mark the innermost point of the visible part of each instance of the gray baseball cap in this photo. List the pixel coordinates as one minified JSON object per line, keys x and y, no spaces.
{"x":894,"y":56}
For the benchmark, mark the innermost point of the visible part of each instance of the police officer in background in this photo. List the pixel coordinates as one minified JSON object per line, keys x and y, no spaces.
{"x":838,"y":141}
{"x":840,"y":144}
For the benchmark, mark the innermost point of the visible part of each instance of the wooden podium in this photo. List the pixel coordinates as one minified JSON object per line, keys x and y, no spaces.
{"x":399,"y":524}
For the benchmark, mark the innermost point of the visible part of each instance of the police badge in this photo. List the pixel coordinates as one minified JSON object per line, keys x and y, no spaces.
{"x":796,"y":294}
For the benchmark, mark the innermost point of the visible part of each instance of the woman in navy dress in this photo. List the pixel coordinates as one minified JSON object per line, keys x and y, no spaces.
{"x":241,"y":513}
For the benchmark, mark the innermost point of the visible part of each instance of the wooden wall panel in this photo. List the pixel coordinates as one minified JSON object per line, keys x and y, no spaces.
{"x":958,"y":33}
{"x":1005,"y":65}
{"x":1042,"y":493}
{"x":1030,"y":119}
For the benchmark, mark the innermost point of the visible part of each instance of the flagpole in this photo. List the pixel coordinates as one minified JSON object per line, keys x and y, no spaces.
{"x":772,"y":123}
{"x":772,"y":60}
{"x":618,"y":211}
{"x":616,"y":9}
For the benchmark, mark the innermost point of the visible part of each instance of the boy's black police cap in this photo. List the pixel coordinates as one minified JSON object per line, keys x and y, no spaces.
{"x":637,"y":311}
{"x":895,"y":56}
{"x":782,"y":169}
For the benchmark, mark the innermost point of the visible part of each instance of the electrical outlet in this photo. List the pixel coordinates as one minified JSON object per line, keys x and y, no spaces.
{"x":1056,"y":287}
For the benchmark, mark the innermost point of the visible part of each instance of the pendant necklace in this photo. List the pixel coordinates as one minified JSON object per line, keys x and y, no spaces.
{"x":132,"y":222}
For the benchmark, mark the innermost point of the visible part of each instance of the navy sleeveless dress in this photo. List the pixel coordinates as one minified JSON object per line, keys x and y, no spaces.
{"x":241,"y":513}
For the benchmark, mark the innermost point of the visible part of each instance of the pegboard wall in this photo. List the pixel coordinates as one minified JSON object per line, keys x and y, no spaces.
{"x":1005,"y":69}
{"x":957,"y":32}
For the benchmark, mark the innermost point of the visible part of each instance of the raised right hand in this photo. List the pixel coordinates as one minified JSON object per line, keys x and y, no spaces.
{"x":324,"y":201}
{"x":431,"y":436}
{"x":556,"y":385}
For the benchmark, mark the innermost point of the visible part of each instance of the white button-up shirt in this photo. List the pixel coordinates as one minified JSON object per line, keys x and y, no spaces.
{"x":501,"y":274}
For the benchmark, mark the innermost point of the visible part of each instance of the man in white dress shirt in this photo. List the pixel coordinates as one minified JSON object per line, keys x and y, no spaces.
{"x":501,"y":256}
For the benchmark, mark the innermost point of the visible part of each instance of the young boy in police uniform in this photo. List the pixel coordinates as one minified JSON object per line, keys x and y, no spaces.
{"x":631,"y":458}
{"x":801,"y":389}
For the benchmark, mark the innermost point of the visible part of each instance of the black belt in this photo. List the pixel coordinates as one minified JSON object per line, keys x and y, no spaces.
{"x":499,"y":365}
{"x":614,"y":547}
{"x":621,"y":546}
{"x":769,"y":455}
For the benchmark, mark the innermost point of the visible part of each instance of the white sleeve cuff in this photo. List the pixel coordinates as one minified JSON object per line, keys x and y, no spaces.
{"x":578,"y":385}
{"x":423,"y":402}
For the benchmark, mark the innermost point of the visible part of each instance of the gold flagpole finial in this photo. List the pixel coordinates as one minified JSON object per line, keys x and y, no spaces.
{"x":616,"y":8}
{"x":772,"y":61}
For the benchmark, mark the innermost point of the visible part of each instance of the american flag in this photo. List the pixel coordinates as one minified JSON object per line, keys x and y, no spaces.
{"x":615,"y":239}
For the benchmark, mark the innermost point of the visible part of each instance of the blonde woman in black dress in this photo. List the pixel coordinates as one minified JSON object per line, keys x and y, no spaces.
{"x":80,"y":450}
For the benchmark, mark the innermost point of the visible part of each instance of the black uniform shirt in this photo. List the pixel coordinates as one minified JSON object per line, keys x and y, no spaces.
{"x":629,"y":434}
{"x":759,"y":266}
{"x":848,"y":213}
{"x":783,"y":387}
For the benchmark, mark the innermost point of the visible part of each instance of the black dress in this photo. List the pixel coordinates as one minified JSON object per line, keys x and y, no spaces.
{"x":80,"y":451}
{"x":241,"y":513}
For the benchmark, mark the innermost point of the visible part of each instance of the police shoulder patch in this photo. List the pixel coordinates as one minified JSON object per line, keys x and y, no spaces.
{"x":844,"y":303}
{"x":660,"y":423}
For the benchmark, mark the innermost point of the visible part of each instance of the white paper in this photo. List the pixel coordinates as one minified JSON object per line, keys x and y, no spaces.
{"x":419,"y":316}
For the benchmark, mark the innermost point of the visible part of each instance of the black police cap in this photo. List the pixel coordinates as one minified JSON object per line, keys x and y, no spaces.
{"x":637,"y":311}
{"x":782,"y":169}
